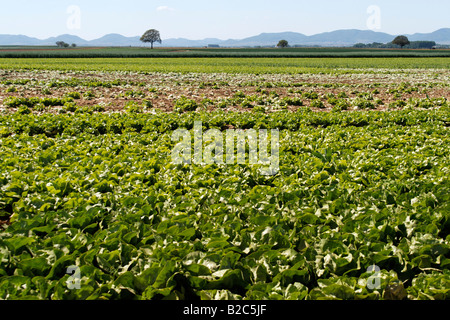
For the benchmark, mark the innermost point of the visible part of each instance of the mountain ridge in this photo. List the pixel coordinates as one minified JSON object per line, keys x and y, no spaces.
{"x":346,"y":37}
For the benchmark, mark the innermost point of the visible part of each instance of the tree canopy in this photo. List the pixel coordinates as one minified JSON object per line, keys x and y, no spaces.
{"x":401,"y":41}
{"x":151,"y":36}
{"x":62,"y":44}
{"x":283,"y":44}
{"x":413,"y":45}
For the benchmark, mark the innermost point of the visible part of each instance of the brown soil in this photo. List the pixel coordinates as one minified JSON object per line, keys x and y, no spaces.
{"x":198,"y":87}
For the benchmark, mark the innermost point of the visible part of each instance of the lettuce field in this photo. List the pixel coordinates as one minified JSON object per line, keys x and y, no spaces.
{"x":92,"y":205}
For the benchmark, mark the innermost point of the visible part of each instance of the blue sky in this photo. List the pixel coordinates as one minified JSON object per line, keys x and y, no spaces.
{"x":219,"y":19}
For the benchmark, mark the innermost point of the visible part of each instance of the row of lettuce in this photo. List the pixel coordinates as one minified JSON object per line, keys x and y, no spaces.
{"x":117,"y":123}
{"x":319,"y":65}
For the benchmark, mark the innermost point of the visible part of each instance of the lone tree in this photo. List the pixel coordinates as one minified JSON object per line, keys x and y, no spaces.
{"x":151,"y":36}
{"x":401,"y":41}
{"x":283,"y":44}
{"x":62,"y":44}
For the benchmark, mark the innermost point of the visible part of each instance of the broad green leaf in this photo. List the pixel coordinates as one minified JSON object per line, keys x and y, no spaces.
{"x":125,"y":281}
{"x":231,"y":280}
{"x":198,"y":269}
{"x":18,"y":243}
{"x":14,"y":286}
{"x":34,"y":266}
{"x":164,"y":274}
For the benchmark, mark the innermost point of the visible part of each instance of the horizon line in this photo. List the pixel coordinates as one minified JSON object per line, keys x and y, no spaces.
{"x":297,"y":32}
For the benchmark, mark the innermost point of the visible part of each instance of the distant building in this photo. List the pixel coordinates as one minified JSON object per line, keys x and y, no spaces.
{"x":213,"y":46}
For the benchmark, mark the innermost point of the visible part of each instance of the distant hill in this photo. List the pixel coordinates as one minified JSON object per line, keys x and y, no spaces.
{"x":333,"y":38}
{"x":267,"y":39}
{"x":114,"y":39}
{"x":66,"y":38}
{"x":350,"y":37}
{"x":19,"y":40}
{"x":441,"y":36}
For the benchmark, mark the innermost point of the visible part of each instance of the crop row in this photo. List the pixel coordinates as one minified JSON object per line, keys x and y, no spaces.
{"x":229,"y":65}
{"x":50,"y":52}
{"x":254,"y":103}
{"x":117,"y":123}
{"x":405,"y":87}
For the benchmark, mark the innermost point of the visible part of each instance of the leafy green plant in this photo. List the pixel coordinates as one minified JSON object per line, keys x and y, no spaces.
{"x":23,"y":110}
{"x":397,"y":104}
{"x":310,"y":95}
{"x":340,"y":105}
{"x":293,"y":101}
{"x":133,"y":107}
{"x":239,"y":94}
{"x":184,"y":104}
{"x":361,"y":103}
{"x":333,"y":101}
{"x":70,"y":107}
{"x":40,"y":107}
{"x":88,"y":95}
{"x":74,"y":95}
{"x":11,"y":89}
{"x":317,"y":104}
{"x":259,"y":109}
{"x":223,"y":103}
{"x":247,"y":103}
{"x":134,"y":94}
{"x":147,"y":104}
{"x":15,"y":102}
{"x":98,"y":108}
{"x":378,"y":102}
{"x":46,"y":91}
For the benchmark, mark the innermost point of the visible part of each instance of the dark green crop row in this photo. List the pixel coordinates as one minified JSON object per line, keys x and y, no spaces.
{"x":97,"y":123}
{"x":404,"y":87}
{"x":341,"y":65}
{"x":16,"y":102}
{"x":28,"y":52}
{"x":73,"y":82}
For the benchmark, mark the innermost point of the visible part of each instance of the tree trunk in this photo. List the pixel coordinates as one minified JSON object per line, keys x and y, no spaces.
{"x":152,"y":44}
